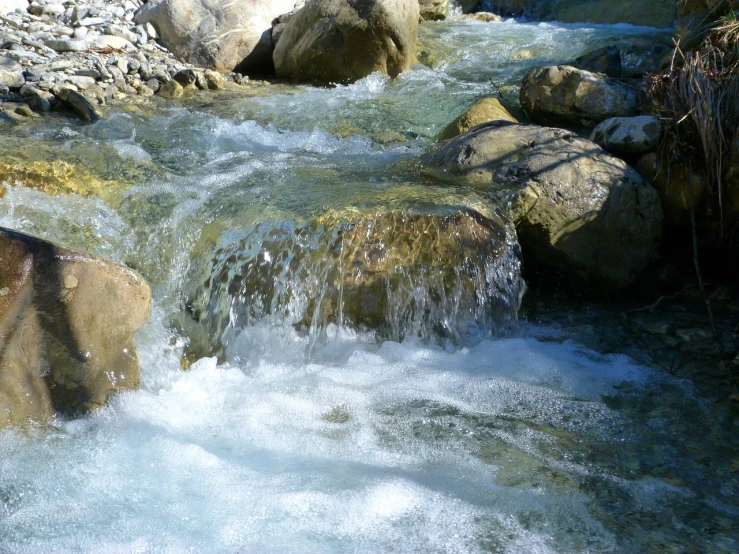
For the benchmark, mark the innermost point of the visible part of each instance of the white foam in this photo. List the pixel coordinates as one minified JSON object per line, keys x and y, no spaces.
{"x":344,"y":454}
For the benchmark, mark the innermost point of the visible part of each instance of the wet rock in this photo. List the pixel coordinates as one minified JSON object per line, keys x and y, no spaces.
{"x":214,"y":80}
{"x":77,"y":104}
{"x":606,"y":60}
{"x":485,"y":17}
{"x":679,"y":188}
{"x":25,"y":111}
{"x":629,"y":135}
{"x":171,"y":89}
{"x":482,"y":111}
{"x":67,"y":321}
{"x":563,"y":93}
{"x":341,"y":41}
{"x":213,"y":34}
{"x":575,"y":207}
{"x":438,"y":273}
{"x":433,"y":10}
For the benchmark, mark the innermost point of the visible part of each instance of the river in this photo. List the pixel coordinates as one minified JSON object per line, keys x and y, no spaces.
{"x":332,"y":440}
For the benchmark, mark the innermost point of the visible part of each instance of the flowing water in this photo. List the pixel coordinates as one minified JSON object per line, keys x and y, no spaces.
{"x":433,"y":431}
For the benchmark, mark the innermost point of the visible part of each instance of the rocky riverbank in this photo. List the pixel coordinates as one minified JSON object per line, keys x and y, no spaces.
{"x":79,"y":56}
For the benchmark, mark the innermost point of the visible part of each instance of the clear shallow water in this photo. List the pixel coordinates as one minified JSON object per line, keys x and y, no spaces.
{"x":509,"y":445}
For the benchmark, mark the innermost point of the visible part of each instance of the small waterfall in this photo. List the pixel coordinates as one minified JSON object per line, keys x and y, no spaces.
{"x":451,"y":277}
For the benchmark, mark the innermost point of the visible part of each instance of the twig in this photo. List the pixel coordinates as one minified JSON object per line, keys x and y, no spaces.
{"x":500,"y":92}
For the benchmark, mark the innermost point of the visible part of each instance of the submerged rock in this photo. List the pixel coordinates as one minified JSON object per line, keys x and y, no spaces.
{"x":404,"y":274}
{"x":482,"y":111}
{"x":216,"y":34}
{"x":341,"y":41}
{"x":67,"y":321}
{"x":575,"y":207}
{"x":563,"y":93}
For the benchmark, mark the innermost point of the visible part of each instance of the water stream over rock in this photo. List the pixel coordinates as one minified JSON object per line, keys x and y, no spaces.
{"x":264,"y":222}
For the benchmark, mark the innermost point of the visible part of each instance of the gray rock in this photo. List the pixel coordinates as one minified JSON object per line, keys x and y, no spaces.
{"x":629,"y":135}
{"x":92,"y":21}
{"x":78,"y":104}
{"x":215,"y":34}
{"x":563,"y":93}
{"x":80,"y":82}
{"x":12,"y":79}
{"x":576,"y":208}
{"x":110,"y":41}
{"x":7,"y":64}
{"x":61,"y":45}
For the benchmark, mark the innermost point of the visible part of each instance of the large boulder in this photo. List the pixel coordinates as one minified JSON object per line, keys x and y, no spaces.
{"x":440,"y":272}
{"x":575,"y":207}
{"x":341,"y":41}
{"x":482,"y":111}
{"x":433,"y":10}
{"x":216,"y":34}
{"x":67,"y":321}
{"x":555,"y":94}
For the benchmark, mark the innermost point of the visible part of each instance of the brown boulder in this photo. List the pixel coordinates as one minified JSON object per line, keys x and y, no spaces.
{"x":341,"y":41}
{"x":575,"y":207}
{"x":67,"y":320}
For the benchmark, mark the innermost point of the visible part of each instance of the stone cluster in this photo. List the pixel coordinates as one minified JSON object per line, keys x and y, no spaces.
{"x":79,"y":55}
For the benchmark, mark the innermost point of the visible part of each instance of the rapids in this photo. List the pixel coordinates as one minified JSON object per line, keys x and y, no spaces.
{"x":333,"y":441}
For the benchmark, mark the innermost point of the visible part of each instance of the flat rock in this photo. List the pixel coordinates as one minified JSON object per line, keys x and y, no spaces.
{"x":61,"y":45}
{"x":110,"y":41}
